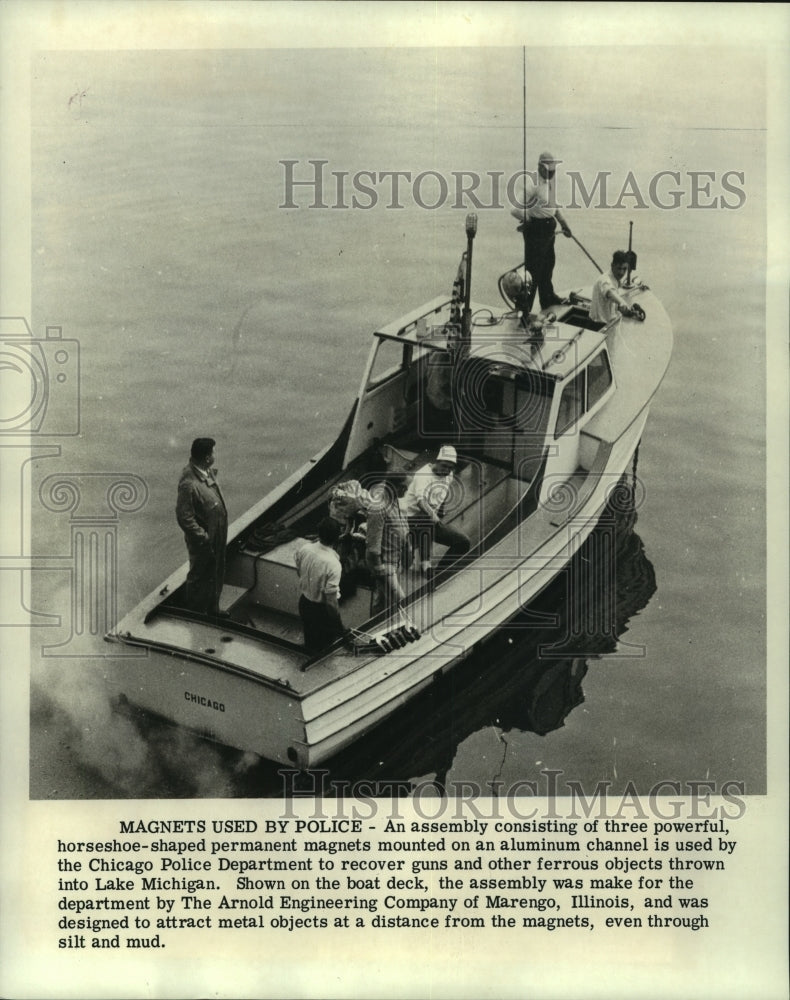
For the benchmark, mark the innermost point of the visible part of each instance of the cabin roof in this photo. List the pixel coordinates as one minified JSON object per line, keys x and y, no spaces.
{"x":499,"y":334}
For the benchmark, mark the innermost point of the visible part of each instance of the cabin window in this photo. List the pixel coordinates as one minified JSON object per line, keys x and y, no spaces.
{"x":582,"y":393}
{"x":392,"y":357}
{"x":496,"y":419}
{"x":599,"y":378}
{"x":533,"y":405}
{"x":571,"y":404}
{"x":387,"y":363}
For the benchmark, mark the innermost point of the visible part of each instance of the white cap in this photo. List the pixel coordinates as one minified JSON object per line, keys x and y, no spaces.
{"x":447,"y":454}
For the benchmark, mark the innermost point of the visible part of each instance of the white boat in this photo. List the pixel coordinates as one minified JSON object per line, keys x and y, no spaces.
{"x":549,"y":413}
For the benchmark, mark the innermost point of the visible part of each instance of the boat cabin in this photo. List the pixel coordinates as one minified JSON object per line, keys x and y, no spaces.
{"x":517,"y":402}
{"x":511,"y":393}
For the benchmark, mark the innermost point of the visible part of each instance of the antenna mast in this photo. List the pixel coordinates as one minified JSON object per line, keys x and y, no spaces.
{"x":524,"y":137}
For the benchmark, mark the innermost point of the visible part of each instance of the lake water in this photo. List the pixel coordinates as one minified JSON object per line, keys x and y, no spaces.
{"x":201,"y":307}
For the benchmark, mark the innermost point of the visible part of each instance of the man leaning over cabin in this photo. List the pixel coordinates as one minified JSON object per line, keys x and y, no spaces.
{"x":318,"y":566}
{"x":424,"y":503}
{"x":538,"y":214}
{"x":606,"y":300}
{"x":203,"y":517}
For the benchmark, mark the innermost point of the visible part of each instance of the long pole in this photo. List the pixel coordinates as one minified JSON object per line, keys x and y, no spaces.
{"x":586,"y":254}
{"x":524,"y":140}
{"x":628,"y":272}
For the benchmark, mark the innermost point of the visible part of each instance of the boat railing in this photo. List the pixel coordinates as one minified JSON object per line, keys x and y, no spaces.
{"x":411,"y":322}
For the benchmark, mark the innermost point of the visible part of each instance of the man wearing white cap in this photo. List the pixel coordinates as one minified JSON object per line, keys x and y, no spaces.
{"x":424,"y":502}
{"x":539,"y":216}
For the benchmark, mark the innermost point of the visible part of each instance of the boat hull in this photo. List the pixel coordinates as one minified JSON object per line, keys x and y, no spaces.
{"x":303,"y":728}
{"x":576,"y":403}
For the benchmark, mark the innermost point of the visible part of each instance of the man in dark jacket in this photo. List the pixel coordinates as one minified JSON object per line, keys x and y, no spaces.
{"x":203,"y":517}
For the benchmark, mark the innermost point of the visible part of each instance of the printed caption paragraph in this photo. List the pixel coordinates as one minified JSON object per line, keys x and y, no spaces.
{"x":149,"y":880}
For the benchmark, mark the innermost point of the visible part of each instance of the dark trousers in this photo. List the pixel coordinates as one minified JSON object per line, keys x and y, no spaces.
{"x":423,"y":532}
{"x":320,"y":624}
{"x":539,"y":259}
{"x":205,"y":578}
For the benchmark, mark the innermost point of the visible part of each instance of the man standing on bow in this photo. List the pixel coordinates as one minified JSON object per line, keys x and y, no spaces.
{"x":538,"y":214}
{"x":203,"y":517}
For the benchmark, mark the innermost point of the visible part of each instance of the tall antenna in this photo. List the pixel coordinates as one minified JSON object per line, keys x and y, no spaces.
{"x":524,"y":137}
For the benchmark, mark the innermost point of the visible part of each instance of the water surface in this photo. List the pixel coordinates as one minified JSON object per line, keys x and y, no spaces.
{"x":202,"y":307}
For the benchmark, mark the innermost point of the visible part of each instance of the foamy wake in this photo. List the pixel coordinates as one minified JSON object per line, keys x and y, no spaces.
{"x":130,"y":753}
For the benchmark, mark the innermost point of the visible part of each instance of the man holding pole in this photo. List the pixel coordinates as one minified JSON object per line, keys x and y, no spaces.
{"x":606,"y":300}
{"x":539,"y":216}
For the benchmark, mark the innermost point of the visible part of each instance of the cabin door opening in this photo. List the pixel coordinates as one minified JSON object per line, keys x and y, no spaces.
{"x":504,"y":415}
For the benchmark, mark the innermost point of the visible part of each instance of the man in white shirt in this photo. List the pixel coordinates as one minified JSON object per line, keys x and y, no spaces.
{"x":318,"y":566}
{"x":424,"y":501}
{"x":539,"y":216}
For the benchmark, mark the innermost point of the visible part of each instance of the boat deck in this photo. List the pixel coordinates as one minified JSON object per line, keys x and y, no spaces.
{"x":265,"y":608}
{"x":262,"y":637}
{"x":498,"y":327}
{"x":270,"y":603}
{"x":354,"y":609}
